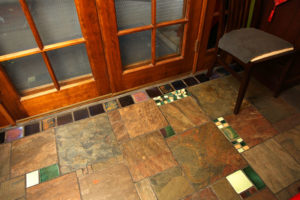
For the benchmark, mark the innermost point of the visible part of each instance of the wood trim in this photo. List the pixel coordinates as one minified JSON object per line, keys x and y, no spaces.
{"x":50,"y":70}
{"x":134,"y":30}
{"x":60,"y":45}
{"x":173,"y":22}
{"x":153,"y":36}
{"x":6,"y":114}
{"x":185,"y":28}
{"x":19,"y":54}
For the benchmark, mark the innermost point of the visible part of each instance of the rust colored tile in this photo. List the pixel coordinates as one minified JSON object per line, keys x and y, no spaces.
{"x":142,"y":118}
{"x":184,"y":114}
{"x":120,"y":131}
{"x":13,"y":188}
{"x":64,"y":187}
{"x":112,"y":183}
{"x":4,"y":161}
{"x":264,"y":194}
{"x":205,"y":154}
{"x":81,"y":114}
{"x":251,"y":126}
{"x":147,"y":155}
{"x":64,"y":119}
{"x":114,"y":116}
{"x":33,"y":152}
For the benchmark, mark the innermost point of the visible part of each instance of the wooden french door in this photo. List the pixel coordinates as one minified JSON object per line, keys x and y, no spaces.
{"x":148,"y":40}
{"x":51,"y":56}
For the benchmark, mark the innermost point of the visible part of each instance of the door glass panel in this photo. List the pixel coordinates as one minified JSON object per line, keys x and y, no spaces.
{"x":27,"y":72}
{"x":135,"y":47}
{"x":15,"y":34}
{"x":70,"y":62}
{"x":167,"y":10}
{"x":133,"y":13}
{"x":56,"y":20}
{"x":169,"y":40}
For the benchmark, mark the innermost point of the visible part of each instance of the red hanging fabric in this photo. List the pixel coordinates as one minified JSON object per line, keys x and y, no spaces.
{"x":276,"y":3}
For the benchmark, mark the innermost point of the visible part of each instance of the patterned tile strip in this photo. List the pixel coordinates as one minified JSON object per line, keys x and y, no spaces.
{"x":42,"y":175}
{"x":238,"y":143}
{"x":170,"y":97}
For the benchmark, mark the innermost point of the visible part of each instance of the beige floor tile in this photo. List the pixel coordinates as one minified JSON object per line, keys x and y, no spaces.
{"x":4,"y":161}
{"x":289,"y":192}
{"x":224,"y":191}
{"x":13,"y":188}
{"x":145,"y":190}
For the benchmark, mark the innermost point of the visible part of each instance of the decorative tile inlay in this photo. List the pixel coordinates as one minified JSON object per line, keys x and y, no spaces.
{"x":253,"y":176}
{"x":171,"y":184}
{"x":153,"y":92}
{"x":32,"y":129}
{"x":167,"y":132}
{"x":202,"y":78}
{"x":139,"y":97}
{"x":221,"y":123}
{"x":111,"y":105}
{"x":178,"y":85}
{"x":147,"y":155}
{"x":170,"y":97}
{"x":32,"y":178}
{"x":49,"y":173}
{"x":14,"y":134}
{"x":96,"y":109}
{"x":166,"y":88}
{"x":2,"y":137}
{"x":64,"y":119}
{"x":80,"y":114}
{"x":190,"y":81}
{"x":126,"y":101}
{"x":239,"y":181}
{"x":48,"y":123}
{"x":240,"y":145}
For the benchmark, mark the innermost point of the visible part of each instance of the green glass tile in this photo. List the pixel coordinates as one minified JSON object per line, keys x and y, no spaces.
{"x":234,"y":142}
{"x":49,"y":173}
{"x":223,"y":121}
{"x":230,"y":133}
{"x":216,"y":120}
{"x":253,"y":176}
{"x":170,"y":131}
{"x":243,"y":143}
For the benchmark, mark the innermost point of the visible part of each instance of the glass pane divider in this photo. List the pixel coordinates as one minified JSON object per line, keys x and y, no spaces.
{"x":50,"y":70}
{"x":134,"y":30}
{"x":173,"y":22}
{"x":20,"y":54}
{"x":64,"y":44}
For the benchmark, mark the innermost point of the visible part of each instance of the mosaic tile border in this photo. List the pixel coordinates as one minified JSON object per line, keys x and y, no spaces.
{"x":238,"y":143}
{"x":36,"y":126}
{"x":171,"y":97}
{"x":42,"y":175}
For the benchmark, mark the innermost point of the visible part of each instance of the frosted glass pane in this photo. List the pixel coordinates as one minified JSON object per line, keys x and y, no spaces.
{"x":169,"y":40}
{"x":135,"y":47}
{"x":167,"y":10}
{"x":15,"y":34}
{"x":133,"y":13}
{"x":27,"y":72}
{"x":70,"y":62}
{"x":56,"y":20}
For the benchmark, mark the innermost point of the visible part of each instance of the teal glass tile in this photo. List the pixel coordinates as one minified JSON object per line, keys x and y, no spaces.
{"x":230,"y":133}
{"x":253,"y":176}
{"x":234,"y":142}
{"x":169,"y":131}
{"x":243,"y":143}
{"x":49,"y":173}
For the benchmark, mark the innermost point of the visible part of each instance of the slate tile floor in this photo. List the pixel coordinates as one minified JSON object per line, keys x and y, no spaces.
{"x":131,"y":148}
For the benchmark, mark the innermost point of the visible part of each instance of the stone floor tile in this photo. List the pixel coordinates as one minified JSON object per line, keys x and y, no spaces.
{"x":217,"y":97}
{"x":290,"y":141}
{"x":145,"y":190}
{"x":264,"y":194}
{"x":4,"y":161}
{"x":85,"y":142}
{"x":288,"y":123}
{"x":205,"y":194}
{"x":224,"y":191}
{"x":64,"y":187}
{"x":171,"y":184}
{"x":205,"y":154}
{"x":13,"y":188}
{"x":273,"y":164}
{"x":33,"y":152}
{"x":142,"y":118}
{"x":107,"y":163}
{"x":251,"y":126}
{"x":147,"y":155}
{"x":184,"y":114}
{"x":292,"y":96}
{"x":289,"y":192}
{"x":118,"y":126}
{"x":112,"y":183}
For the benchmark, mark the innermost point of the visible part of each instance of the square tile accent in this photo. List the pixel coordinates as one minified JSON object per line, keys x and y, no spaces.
{"x":170,"y":97}
{"x":190,"y":81}
{"x":111,"y":105}
{"x":239,"y":181}
{"x":153,"y":92}
{"x":32,"y":129}
{"x":32,"y":178}
{"x":221,"y":123}
{"x":178,"y":85}
{"x":48,"y":123}
{"x":166,"y":88}
{"x":80,"y":114}
{"x":2,"y":137}
{"x":167,"y":132}
{"x":139,"y":97}
{"x":240,"y":145}
{"x":14,"y":134}
{"x":96,"y":109}
{"x":64,"y":119}
{"x":126,"y":101}
{"x":202,"y":78}
{"x":253,"y":176}
{"x":49,"y":173}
